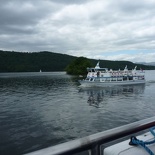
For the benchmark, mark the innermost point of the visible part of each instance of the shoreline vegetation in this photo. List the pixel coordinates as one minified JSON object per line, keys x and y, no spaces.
{"x":11,"y":61}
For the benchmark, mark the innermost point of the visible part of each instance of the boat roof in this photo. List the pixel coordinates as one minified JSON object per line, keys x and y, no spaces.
{"x":98,"y":68}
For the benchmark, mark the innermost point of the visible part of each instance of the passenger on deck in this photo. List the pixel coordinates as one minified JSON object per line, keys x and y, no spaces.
{"x":98,"y":73}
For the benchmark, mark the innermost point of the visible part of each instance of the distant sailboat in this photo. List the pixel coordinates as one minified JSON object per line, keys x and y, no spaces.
{"x":40,"y":70}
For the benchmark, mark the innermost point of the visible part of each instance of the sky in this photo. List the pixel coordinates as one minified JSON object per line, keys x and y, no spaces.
{"x":98,"y":29}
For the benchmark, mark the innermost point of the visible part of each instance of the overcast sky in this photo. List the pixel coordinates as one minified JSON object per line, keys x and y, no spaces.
{"x":100,"y":29}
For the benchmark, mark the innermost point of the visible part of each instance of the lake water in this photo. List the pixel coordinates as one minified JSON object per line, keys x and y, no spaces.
{"x":38,"y":110}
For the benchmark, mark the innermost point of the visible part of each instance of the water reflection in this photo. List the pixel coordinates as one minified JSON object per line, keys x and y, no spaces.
{"x":97,"y":95}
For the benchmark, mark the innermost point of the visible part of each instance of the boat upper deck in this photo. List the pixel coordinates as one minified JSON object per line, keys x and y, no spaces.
{"x":104,"y":72}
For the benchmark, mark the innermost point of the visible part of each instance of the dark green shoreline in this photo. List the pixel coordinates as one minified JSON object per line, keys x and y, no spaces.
{"x":11,"y":61}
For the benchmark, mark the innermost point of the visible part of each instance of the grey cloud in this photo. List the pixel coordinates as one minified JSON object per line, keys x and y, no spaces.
{"x":66,"y":2}
{"x":81,"y":27}
{"x":15,"y":17}
{"x":135,"y":6}
{"x":15,"y":13}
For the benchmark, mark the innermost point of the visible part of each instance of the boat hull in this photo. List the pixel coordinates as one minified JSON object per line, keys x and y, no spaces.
{"x":87,"y":83}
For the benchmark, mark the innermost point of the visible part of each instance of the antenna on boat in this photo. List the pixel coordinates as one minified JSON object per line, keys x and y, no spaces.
{"x":126,"y":68}
{"x":97,"y":65}
{"x":135,"y":67}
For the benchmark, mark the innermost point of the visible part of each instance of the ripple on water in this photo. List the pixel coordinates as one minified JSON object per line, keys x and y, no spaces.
{"x":40,"y":110}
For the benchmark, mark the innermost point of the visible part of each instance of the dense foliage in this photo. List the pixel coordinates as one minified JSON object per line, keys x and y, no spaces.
{"x":33,"y":62}
{"x":78,"y":66}
{"x":49,"y":61}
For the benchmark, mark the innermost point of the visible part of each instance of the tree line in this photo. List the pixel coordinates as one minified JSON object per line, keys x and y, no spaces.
{"x":11,"y":61}
{"x":33,"y":62}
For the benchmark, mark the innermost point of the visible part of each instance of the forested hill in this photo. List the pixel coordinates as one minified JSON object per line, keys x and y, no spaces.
{"x":49,"y":61}
{"x":33,"y":62}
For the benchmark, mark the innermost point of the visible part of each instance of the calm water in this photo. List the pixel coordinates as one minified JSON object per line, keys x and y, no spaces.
{"x":44,"y":109}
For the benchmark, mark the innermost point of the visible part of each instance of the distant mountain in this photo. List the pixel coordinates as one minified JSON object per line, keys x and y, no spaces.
{"x":152,"y":63}
{"x":45,"y":61}
{"x":147,"y":63}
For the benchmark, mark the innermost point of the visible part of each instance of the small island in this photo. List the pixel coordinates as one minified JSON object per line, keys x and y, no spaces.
{"x":78,"y":66}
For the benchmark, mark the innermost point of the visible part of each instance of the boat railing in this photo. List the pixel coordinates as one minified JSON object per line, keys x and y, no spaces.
{"x":94,"y":143}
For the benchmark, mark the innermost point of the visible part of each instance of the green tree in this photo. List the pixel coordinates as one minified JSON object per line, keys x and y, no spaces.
{"x":78,"y":66}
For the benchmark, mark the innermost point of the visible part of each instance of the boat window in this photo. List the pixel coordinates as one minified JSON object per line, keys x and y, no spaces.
{"x":119,"y":79}
{"x":141,"y":78}
{"x":107,"y":79}
{"x":124,"y":78}
{"x":102,"y":79}
{"x":113,"y":79}
{"x":103,"y":71}
{"x":91,"y":79}
{"x":130,"y":78}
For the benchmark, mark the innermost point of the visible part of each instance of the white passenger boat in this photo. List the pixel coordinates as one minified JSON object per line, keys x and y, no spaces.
{"x":103,"y":77}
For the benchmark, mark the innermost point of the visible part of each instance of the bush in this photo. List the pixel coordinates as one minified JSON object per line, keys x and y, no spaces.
{"x":78,"y":66}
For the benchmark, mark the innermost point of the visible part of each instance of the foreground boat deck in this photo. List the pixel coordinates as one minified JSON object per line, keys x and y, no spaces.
{"x":95,"y":144}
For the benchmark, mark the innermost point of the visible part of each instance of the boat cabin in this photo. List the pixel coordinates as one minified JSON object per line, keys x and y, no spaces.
{"x":105,"y":75}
